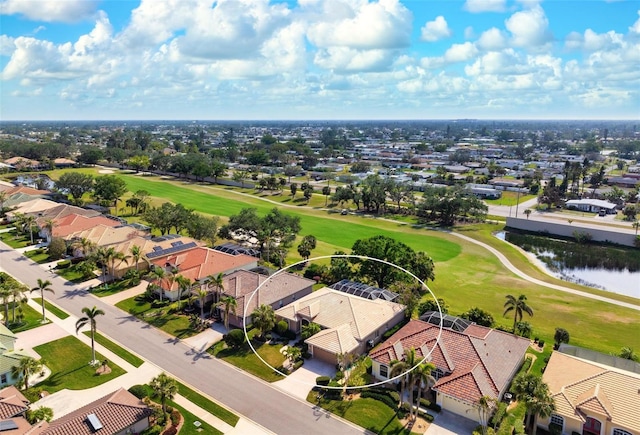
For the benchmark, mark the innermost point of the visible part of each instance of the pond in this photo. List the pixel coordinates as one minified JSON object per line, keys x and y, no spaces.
{"x":612,"y":268}
{"x":36,"y":182}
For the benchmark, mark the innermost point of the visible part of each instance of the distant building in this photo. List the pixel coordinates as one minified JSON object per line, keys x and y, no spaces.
{"x":591,"y":205}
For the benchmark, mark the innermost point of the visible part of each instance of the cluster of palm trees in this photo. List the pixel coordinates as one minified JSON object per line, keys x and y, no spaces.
{"x":414,"y":375}
{"x":11,"y":293}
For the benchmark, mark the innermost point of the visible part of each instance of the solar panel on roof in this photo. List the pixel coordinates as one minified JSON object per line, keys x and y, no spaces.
{"x":171,"y":250}
{"x":8,"y":425}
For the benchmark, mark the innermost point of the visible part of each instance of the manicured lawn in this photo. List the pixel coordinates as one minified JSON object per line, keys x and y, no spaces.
{"x":175,"y":324}
{"x":15,"y":240}
{"x":113,"y":288}
{"x":39,"y":255}
{"x":245,"y":359}
{"x":466,"y":275}
{"x":540,"y":362}
{"x":52,"y":308}
{"x":68,"y":358}
{"x":208,"y":405}
{"x":368,"y":413}
{"x":32,"y":319}
{"x":509,"y":198}
{"x":74,"y":275}
{"x":188,"y":428}
{"x":122,"y":353}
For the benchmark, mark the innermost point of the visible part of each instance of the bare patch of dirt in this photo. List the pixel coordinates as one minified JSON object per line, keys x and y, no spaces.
{"x":103,"y":370}
{"x":420,"y":425}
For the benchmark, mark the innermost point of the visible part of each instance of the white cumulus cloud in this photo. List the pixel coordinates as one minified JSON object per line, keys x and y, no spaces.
{"x":492,"y":39}
{"x":67,"y":11}
{"x":476,"y":6}
{"x":529,"y":28}
{"x":435,"y":30}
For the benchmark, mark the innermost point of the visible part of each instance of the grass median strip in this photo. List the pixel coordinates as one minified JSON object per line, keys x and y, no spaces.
{"x":122,"y":353}
{"x":189,"y":428}
{"x":52,"y":309}
{"x":213,"y":408}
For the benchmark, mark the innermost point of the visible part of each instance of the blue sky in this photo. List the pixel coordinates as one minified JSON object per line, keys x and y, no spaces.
{"x":319,"y":59}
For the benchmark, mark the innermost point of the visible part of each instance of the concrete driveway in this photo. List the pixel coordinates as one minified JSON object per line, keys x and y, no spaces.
{"x":300,"y":382}
{"x":448,"y":423}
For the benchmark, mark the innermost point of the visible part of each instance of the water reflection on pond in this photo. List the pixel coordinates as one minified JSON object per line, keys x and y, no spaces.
{"x":598,"y":267}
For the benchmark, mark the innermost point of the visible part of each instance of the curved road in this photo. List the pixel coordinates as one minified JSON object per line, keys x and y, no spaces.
{"x":243,"y":393}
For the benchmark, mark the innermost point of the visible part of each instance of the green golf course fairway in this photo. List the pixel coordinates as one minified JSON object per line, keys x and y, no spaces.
{"x":467,"y":275}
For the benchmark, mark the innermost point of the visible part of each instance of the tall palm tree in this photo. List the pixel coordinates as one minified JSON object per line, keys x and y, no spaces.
{"x":43,"y":286}
{"x":28,"y":224}
{"x":423,"y":381}
{"x":85,"y":245}
{"x":158,"y":274}
{"x":90,"y":315}
{"x":534,"y":393}
{"x":164,"y":387}
{"x":104,"y":256}
{"x":408,"y":362}
{"x":230,"y":304}
{"x":216,"y":283}
{"x":26,"y":367}
{"x":5,"y":295}
{"x":485,"y":407}
{"x":264,"y":318}
{"x":202,"y":294}
{"x":136,"y":255}
{"x":184,"y":286}
{"x":518,"y":306}
{"x":17,"y":291}
{"x":121,"y":257}
{"x":48,"y":226}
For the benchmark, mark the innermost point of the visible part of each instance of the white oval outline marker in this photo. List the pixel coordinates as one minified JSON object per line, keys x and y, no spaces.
{"x":362,"y":257}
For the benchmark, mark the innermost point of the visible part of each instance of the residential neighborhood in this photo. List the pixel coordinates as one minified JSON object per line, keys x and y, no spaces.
{"x":205,"y":289}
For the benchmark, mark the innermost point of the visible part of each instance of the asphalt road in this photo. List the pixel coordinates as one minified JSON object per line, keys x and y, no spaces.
{"x":247,"y":395}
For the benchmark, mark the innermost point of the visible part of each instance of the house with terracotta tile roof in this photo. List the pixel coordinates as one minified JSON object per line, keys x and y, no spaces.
{"x":592,"y":398}
{"x":278,"y":291}
{"x":471,"y":362}
{"x":13,"y":406}
{"x":197,"y":263}
{"x":350,"y":324}
{"x":34,"y":206}
{"x":74,"y":223}
{"x":117,"y":413}
{"x":106,"y":235}
{"x":21,"y":163}
{"x":148,"y":246}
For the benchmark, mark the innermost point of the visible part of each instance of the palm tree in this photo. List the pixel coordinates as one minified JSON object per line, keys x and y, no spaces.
{"x":628,"y":353}
{"x":43,"y":286}
{"x":118,"y":256}
{"x":136,"y":255}
{"x":216,"y":283}
{"x":202,"y":294}
{"x":158,"y":274}
{"x":424,"y":381}
{"x":29,"y":222}
{"x":309,"y":330}
{"x":26,"y":367}
{"x":85,"y":245}
{"x":485,"y":406}
{"x":17,"y":291}
{"x":264,"y":318}
{"x":230,"y":304}
{"x":534,"y":393}
{"x":164,"y":387}
{"x":90,"y":315}
{"x":518,"y":306}
{"x":405,"y":366}
{"x":104,"y":256}
{"x":3,"y":198}
{"x":6,"y":292}
{"x":48,"y":226}
{"x":184,"y":285}
{"x":527,"y":212}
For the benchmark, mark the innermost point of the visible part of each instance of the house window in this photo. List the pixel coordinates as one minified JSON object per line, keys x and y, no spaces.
{"x":384,"y":371}
{"x":617,"y":431}
{"x":3,"y":378}
{"x":556,"y":421}
{"x":437,"y":374}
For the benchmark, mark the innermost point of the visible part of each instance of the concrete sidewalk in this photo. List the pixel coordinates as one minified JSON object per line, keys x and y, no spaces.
{"x":65,"y":401}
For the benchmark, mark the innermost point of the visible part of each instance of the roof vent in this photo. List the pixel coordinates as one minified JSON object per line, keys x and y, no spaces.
{"x":94,"y":422}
